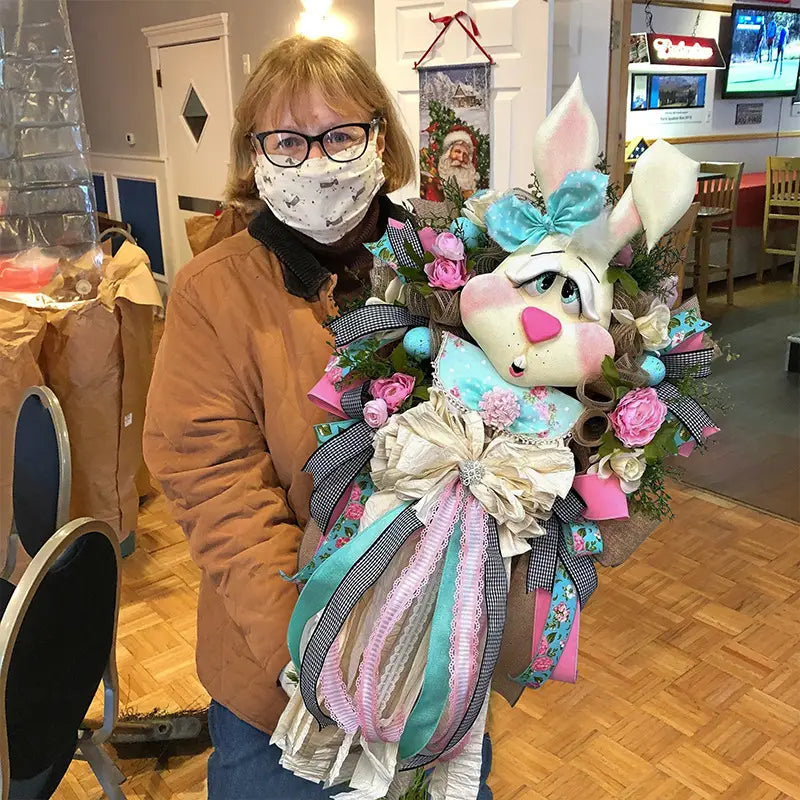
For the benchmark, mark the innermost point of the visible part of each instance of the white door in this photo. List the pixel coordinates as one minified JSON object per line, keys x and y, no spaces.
{"x":515,"y":32}
{"x":196,"y":101}
{"x":581,"y":34}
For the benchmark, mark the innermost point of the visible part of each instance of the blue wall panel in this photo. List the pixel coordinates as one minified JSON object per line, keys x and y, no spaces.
{"x":138,"y":204}
{"x":100,"y":192}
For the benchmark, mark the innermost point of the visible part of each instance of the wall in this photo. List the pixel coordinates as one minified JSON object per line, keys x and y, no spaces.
{"x":114,"y":62}
{"x":777,"y":115}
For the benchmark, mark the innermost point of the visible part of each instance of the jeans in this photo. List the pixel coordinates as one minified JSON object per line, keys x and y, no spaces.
{"x":245,"y":766}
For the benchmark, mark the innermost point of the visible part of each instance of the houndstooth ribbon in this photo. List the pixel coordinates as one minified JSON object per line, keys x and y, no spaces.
{"x":368,"y":320}
{"x":361,"y":576}
{"x":547,"y":550}
{"x":400,"y":239}
{"x":697,"y":363}
{"x":336,"y":463}
{"x":686,"y":409}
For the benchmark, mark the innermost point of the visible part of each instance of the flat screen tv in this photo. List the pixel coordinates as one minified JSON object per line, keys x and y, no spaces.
{"x":764,"y":56}
{"x":667,"y":90}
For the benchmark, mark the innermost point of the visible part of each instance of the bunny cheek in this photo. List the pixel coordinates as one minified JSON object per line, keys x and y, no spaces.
{"x":485,"y":293}
{"x":594,"y":344}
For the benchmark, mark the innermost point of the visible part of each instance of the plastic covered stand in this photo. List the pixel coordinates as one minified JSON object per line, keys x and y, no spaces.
{"x":48,"y":227}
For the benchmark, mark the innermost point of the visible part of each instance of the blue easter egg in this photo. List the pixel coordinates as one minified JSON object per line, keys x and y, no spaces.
{"x":655,"y":369}
{"x":417,"y":343}
{"x":468,"y":232}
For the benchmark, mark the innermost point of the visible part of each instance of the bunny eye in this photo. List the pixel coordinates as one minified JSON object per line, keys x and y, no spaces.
{"x":570,"y":297}
{"x":542,"y":284}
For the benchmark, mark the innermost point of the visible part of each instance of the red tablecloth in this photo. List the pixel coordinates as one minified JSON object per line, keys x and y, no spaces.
{"x":752,"y":196}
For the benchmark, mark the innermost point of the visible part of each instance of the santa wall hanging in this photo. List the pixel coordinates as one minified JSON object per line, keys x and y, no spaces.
{"x":455,"y":116}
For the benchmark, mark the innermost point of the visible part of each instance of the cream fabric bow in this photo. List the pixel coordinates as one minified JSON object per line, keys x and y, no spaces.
{"x":653,"y":327}
{"x":418,"y":453}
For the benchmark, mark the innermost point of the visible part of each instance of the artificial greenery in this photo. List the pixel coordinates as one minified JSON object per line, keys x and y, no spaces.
{"x":651,"y":269}
{"x":651,"y":499}
{"x":418,"y":789}
{"x":711,"y":395}
{"x":364,"y":362}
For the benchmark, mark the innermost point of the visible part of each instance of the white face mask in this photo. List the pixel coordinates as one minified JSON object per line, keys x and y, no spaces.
{"x":321,"y":198}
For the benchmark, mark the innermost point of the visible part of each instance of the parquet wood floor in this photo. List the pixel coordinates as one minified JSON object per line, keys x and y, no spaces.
{"x":689,"y":682}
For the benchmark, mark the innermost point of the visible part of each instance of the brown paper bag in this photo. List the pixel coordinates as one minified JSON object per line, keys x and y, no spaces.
{"x":97,"y":358}
{"x":206,"y":230}
{"x":21,"y":334}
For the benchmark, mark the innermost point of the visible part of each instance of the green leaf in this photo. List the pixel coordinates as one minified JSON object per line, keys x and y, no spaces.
{"x":399,"y":359}
{"x":620,"y":392}
{"x":609,"y":444}
{"x":423,"y":288}
{"x":413,"y":255}
{"x":610,"y":372}
{"x":626,"y":280}
{"x":413,"y":274}
{"x":422,"y":393}
{"x":429,"y":258}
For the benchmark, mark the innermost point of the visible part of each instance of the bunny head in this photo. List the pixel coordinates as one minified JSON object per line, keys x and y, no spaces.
{"x":542,"y":316}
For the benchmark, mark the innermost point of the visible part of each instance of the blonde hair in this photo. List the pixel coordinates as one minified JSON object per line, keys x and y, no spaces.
{"x":282,"y":79}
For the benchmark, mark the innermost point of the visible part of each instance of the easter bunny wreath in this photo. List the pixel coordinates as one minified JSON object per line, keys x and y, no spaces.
{"x":503,"y":407}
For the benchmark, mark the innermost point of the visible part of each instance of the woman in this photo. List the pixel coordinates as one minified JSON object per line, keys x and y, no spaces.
{"x":316,"y":145}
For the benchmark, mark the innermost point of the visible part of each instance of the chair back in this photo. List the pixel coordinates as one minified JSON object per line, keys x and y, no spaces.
{"x":57,"y":639}
{"x":678,"y":238}
{"x":721,"y":193}
{"x":42,"y":471}
{"x":783,"y":181}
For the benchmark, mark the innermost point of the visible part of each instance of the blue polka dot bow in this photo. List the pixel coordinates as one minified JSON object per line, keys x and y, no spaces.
{"x":515,"y":223}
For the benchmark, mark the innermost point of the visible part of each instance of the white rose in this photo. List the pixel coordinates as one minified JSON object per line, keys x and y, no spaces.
{"x":476,"y":207}
{"x":627,"y":465}
{"x":653,"y":326}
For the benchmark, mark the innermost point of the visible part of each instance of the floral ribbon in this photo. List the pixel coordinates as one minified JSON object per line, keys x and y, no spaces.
{"x":515,"y":223}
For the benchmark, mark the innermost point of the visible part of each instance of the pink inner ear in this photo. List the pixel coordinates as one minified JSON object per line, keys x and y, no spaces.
{"x":624,"y":222}
{"x":572,"y":135}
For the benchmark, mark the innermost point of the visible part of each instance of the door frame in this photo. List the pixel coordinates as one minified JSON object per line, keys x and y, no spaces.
{"x":171,"y":34}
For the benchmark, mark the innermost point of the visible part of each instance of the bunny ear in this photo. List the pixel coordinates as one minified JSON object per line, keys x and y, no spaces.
{"x":624,"y":222}
{"x":663,"y":185}
{"x":566,"y":141}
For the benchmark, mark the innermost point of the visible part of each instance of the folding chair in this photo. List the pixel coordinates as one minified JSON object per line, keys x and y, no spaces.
{"x":57,"y":643}
{"x":42,"y":473}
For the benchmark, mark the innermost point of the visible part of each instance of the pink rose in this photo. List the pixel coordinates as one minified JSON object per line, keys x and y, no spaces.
{"x":355,"y":494}
{"x":542,"y":663}
{"x":342,"y":541}
{"x":637,"y":417}
{"x":354,"y":511}
{"x":624,"y":258}
{"x":335,"y":374}
{"x":445,"y":274}
{"x":539,"y":392}
{"x":577,"y":541}
{"x":393,"y":391}
{"x":376,"y":412}
{"x":499,"y":408}
{"x":449,"y":247}
{"x":543,"y":645}
{"x":561,"y":612}
{"x":427,"y":237}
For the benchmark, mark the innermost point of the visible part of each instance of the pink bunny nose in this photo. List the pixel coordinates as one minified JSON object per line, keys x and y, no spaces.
{"x":540,"y":326}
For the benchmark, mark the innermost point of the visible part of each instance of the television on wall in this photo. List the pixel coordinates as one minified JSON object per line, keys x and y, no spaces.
{"x":764,"y":58}
{"x":668,"y":90}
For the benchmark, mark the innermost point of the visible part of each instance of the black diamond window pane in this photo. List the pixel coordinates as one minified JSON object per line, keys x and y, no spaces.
{"x":195,"y":114}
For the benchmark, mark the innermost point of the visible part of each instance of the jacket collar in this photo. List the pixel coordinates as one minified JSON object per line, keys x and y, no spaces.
{"x":304,"y":275}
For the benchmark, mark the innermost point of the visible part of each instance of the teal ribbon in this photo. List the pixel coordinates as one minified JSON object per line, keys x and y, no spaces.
{"x":515,"y":223}
{"x":327,"y":577}
{"x":432,"y":701}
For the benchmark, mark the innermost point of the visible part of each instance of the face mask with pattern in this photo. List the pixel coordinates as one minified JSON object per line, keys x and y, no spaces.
{"x":321,"y":198}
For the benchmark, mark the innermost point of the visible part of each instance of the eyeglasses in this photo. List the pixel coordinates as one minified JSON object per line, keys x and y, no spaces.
{"x":341,"y":143}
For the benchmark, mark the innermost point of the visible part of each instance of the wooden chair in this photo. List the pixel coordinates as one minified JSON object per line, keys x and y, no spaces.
{"x":678,"y":238}
{"x":783,"y":195}
{"x":718,"y":198}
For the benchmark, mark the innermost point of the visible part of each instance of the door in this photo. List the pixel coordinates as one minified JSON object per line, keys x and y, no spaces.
{"x":515,"y":32}
{"x":196,"y":100}
{"x":581,"y":31}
